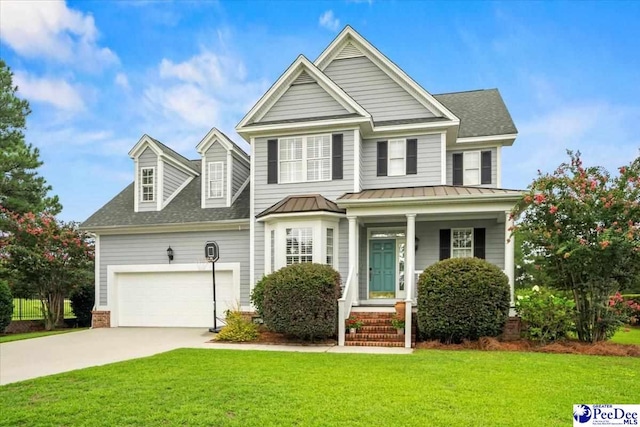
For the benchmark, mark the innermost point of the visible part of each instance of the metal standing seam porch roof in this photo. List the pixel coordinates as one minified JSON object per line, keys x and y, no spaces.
{"x":299,"y":204}
{"x":426,"y":192}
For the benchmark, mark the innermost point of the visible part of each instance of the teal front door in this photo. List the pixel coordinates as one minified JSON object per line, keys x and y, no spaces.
{"x":382,"y":269}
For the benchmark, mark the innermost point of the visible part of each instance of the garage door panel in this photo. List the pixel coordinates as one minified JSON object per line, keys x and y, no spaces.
{"x":178,"y":299}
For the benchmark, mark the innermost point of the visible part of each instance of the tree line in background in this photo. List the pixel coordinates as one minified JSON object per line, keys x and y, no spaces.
{"x":40,"y":256}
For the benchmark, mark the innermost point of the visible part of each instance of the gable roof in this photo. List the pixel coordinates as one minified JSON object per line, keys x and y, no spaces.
{"x":351,"y":39}
{"x":481,"y":112}
{"x":216,"y":134}
{"x":284,"y":82}
{"x":299,"y":204}
{"x":162,"y":150}
{"x":183,"y":209}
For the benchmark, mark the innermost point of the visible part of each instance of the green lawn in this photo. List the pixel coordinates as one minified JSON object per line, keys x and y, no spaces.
{"x":29,"y":335}
{"x":30,"y":309}
{"x":249,"y":388}
{"x":630,"y":337}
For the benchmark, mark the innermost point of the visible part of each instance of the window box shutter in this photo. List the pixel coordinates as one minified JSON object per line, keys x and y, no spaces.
{"x":272,"y":161}
{"x":445,"y":244}
{"x":412,"y":156}
{"x":479,"y":242}
{"x":486,"y":168}
{"x":336,"y":154}
{"x":382,"y":158}
{"x":457,"y":169}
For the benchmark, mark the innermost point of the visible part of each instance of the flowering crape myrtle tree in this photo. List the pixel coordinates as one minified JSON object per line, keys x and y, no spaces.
{"x":47,"y":257}
{"x":585,"y":226}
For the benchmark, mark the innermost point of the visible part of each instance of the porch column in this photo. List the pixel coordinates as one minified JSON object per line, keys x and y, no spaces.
{"x":409,"y":268}
{"x":509,"y":254}
{"x":354,"y":236}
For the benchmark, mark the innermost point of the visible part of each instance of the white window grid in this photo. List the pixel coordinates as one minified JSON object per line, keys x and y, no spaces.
{"x":299,"y":248}
{"x":397,"y":157}
{"x":216,"y":180}
{"x":304,"y":159}
{"x":147,"y":181}
{"x":462,"y":243}
{"x":471,"y":167}
{"x":329,"y":246}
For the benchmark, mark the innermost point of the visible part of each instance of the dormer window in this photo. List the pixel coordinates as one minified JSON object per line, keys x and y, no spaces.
{"x":147,"y":183}
{"x":216,"y":180}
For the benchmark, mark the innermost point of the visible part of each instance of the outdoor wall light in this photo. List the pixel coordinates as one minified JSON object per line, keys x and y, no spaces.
{"x":170,"y":254}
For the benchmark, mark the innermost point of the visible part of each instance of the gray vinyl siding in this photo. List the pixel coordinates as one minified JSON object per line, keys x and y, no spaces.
{"x":429,"y":164}
{"x":140,"y":249}
{"x":173,"y":178}
{"x":268,"y":194}
{"x":215,"y":153}
{"x":361,"y":170}
{"x":374,"y":90}
{"x":494,"y":165}
{"x":428,"y":252}
{"x":148,"y":159}
{"x":240,"y":172}
{"x":304,"y":101}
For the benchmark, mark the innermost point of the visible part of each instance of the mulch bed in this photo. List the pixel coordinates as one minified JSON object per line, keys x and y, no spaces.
{"x":266,"y":336}
{"x":562,"y":347}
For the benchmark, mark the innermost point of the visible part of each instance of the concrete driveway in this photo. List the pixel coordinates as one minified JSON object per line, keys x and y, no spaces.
{"x":37,"y":357}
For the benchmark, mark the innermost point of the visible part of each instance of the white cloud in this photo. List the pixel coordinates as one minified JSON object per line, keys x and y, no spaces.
{"x":56,"y":92}
{"x":50,"y":29}
{"x":122,"y":81}
{"x":329,"y":21}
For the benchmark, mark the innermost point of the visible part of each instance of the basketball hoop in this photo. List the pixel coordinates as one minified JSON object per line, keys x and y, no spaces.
{"x":203,"y":264}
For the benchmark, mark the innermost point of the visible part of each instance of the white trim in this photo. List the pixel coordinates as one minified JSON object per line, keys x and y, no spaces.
{"x":235,"y":224}
{"x":464,"y":229}
{"x":240,"y":190}
{"x":305,"y":215}
{"x":356,"y":160}
{"x":443,"y":158}
{"x":153,"y":193}
{"x":96,"y":271}
{"x":316,"y":126}
{"x":304,"y":160}
{"x":421,"y":208}
{"x":252,"y":218}
{"x":379,"y":130}
{"x":189,"y":171}
{"x":508,"y":139}
{"x":404,"y":156}
{"x":229,"y":176}
{"x":114,"y":270}
{"x":203,"y":184}
{"x":465,"y":163}
{"x":136,"y":182}
{"x":391,"y":69}
{"x":464,"y":198}
{"x":144,"y":142}
{"x":282,"y":84}
{"x":216,"y":135}
{"x":160,"y":181}
{"x":398,"y":241}
{"x":208,"y":179}
{"x":509,"y":254}
{"x":353,"y":263}
{"x":177,"y":191}
{"x":498,"y":161}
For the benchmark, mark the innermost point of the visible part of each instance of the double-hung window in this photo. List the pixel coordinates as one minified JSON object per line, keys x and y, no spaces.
{"x":471,"y":168}
{"x":216,"y":180}
{"x":305,"y":158}
{"x":299,"y":245}
{"x":329,"y":246}
{"x":462,"y":243}
{"x":397,"y":159}
{"x":147,"y":184}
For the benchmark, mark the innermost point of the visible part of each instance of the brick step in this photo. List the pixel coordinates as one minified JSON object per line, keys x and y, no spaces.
{"x":376,"y":322}
{"x":373,"y":329}
{"x":374,"y":337}
{"x":375,"y":343}
{"x":368,"y":315}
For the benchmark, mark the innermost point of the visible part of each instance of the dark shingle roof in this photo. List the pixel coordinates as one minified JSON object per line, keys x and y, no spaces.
{"x":175,"y":155}
{"x":184,"y":208}
{"x":481,"y":112}
{"x":427,"y":191}
{"x":306,"y":203}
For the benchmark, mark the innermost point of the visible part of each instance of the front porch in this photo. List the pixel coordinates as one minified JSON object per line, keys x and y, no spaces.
{"x":384,"y":267}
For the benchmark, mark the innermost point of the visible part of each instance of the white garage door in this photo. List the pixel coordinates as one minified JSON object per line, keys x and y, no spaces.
{"x":177,"y":299}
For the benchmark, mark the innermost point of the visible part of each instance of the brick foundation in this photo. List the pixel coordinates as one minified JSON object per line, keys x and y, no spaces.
{"x":100,"y":319}
{"x":22,"y":326}
{"x":512,"y":329}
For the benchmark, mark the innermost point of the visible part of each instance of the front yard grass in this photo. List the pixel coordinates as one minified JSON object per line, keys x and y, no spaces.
{"x":38,"y":334}
{"x":249,"y":388}
{"x":627,"y":335}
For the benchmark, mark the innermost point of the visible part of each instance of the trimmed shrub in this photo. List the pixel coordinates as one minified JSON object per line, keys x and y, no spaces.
{"x":462,"y":299}
{"x":257,"y":296}
{"x":82,"y":302}
{"x":547,"y":316}
{"x":6,"y":306}
{"x":238,"y":328}
{"x":301,"y":300}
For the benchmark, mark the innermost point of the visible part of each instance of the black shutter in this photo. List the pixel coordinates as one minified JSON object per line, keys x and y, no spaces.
{"x":479,"y":243}
{"x":382,"y":158}
{"x":412,"y":156}
{"x":445,"y":244}
{"x":486,"y":168}
{"x":272,"y":161}
{"x":457,"y":169}
{"x":336,"y":155}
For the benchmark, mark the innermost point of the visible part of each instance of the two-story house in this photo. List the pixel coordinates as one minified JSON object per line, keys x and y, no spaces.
{"x":353,"y":164}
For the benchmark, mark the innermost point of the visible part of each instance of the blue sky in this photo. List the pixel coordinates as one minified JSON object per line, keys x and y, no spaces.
{"x":100,"y":74}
